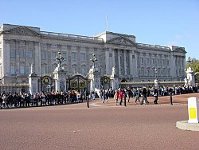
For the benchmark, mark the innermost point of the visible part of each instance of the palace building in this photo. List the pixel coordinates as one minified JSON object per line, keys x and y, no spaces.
{"x":21,"y":46}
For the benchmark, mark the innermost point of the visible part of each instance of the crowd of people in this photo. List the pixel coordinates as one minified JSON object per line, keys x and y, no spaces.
{"x":121,"y":95}
{"x":140,"y":94}
{"x":18,"y":100}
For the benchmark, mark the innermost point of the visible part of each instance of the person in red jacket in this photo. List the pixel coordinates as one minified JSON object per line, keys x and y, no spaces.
{"x":121,"y":95}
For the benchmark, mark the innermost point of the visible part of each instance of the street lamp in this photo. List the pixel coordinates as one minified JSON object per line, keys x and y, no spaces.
{"x":59,"y":59}
{"x":92,"y":72}
{"x":16,"y":81}
{"x":156,"y":72}
{"x":93,"y":59}
{"x":156,"y":80}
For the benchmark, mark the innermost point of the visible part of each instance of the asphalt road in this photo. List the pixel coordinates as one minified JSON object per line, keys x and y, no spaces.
{"x":100,"y":127}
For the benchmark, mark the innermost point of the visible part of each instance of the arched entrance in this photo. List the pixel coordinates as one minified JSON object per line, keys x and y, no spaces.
{"x":77,"y":82}
{"x":105,"y":82}
{"x":46,"y":84}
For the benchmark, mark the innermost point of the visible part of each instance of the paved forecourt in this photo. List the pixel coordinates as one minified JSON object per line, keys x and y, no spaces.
{"x":102,"y":126}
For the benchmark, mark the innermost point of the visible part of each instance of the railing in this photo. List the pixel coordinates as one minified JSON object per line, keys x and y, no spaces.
{"x":13,"y":87}
{"x":151,"y":83}
{"x":71,"y":36}
{"x":153,"y":46}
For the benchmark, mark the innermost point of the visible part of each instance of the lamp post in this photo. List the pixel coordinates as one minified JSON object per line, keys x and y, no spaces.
{"x":92,"y":75}
{"x":156,"y":78}
{"x":93,"y":59}
{"x":15,"y":81}
{"x":58,"y":73}
{"x":156,"y":72}
{"x":59,"y":59}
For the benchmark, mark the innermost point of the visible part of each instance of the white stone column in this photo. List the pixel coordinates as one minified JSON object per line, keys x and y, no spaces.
{"x":114,"y":83}
{"x":57,"y":81}
{"x":60,"y":81}
{"x":114,"y":80}
{"x":92,"y":79}
{"x":33,"y":82}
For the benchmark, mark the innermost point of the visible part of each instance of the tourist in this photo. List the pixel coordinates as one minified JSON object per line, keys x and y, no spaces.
{"x":155,"y":96}
{"x":144,"y":96}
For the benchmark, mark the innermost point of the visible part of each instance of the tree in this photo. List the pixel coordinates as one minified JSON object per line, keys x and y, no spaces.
{"x":194,"y":64}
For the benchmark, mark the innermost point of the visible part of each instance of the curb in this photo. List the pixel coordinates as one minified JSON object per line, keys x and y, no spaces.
{"x":184,"y":125}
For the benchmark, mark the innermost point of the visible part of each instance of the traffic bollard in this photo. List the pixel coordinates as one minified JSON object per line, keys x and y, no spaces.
{"x":193,"y":106}
{"x":87,"y":101}
{"x":171,"y":100}
{"x":125,"y":101}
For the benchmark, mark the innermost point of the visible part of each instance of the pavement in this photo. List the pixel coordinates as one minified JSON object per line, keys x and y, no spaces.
{"x":184,"y":125}
{"x":103,"y":126}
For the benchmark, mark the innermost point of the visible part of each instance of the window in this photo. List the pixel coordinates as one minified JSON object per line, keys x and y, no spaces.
{"x":49,"y":55}
{"x":43,"y":55}
{"x":74,"y":69}
{"x":27,"y":70}
{"x":83,"y":69}
{"x":12,"y":69}
{"x":12,"y":53}
{"x":22,"y":69}
{"x":21,"y":53}
{"x":29,"y":54}
{"x":44,"y":69}
{"x":142,"y":61}
{"x":54,"y":55}
{"x":148,"y":61}
{"x":17,"y":52}
{"x":64,"y":54}
{"x":69,"y":47}
{"x":74,"y":56}
{"x":167,"y":62}
{"x":142,"y":71}
{"x":82,"y":56}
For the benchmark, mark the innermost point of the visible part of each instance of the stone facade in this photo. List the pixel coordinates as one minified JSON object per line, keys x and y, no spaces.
{"x":21,"y":46}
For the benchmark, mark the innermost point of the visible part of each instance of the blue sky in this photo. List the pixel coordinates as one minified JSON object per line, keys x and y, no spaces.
{"x":159,"y":22}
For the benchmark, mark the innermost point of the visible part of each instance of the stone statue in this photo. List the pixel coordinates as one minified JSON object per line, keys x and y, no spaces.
{"x":31,"y":68}
{"x":156,"y":84}
{"x":186,"y":82}
{"x":91,"y":73}
{"x":190,"y":77}
{"x":113,"y":72}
